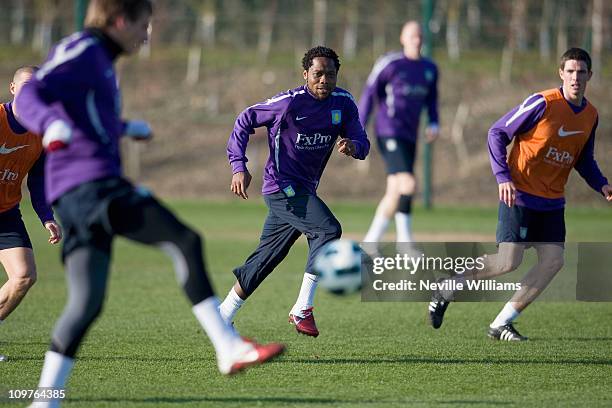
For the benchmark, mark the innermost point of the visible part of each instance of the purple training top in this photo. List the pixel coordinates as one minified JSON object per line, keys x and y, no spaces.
{"x":302,"y":132}
{"x":401,"y":87}
{"x":77,"y":84}
{"x":502,"y":132}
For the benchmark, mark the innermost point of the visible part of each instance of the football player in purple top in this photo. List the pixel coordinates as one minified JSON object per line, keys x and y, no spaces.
{"x":400,"y":85}
{"x":303,"y":124}
{"x":73,"y":100}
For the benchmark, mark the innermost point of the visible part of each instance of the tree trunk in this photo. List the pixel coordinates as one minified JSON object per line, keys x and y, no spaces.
{"x":474,"y":20}
{"x":18,"y":23}
{"x":452,"y":29}
{"x":349,"y":46}
{"x":544,"y":34}
{"x":562,"y":29}
{"x":379,"y":42}
{"x":319,"y":22}
{"x":266,"y":28}
{"x":598,"y":18}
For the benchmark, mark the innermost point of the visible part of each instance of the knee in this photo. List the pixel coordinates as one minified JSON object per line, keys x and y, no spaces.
{"x":552,"y":265}
{"x":26,"y":279}
{"x":507,"y":265}
{"x":191,"y":239}
{"x":333,"y":231}
{"x":406,"y":183}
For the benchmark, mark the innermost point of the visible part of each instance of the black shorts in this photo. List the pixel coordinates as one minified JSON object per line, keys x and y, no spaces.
{"x":399,"y":154}
{"x":522,"y":224}
{"x":13,"y":232}
{"x":85,"y":212}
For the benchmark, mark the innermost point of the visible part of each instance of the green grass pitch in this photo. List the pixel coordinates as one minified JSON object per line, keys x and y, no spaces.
{"x":147,"y":349}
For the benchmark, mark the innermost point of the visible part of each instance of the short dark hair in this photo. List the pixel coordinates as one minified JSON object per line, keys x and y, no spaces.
{"x":103,"y":13}
{"x":577,"y":54}
{"x":320,"y":51}
{"x":29,"y":69}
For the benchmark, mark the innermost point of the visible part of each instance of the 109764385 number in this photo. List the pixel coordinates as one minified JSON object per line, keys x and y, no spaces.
{"x":38,"y":394}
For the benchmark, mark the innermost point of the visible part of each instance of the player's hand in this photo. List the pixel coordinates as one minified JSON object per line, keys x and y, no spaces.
{"x":138,"y":130}
{"x":607,"y":192}
{"x":346,"y":146}
{"x":57,"y":136}
{"x":55,"y":232}
{"x":240,"y":183}
{"x":507,"y":193}
{"x":431,"y":133}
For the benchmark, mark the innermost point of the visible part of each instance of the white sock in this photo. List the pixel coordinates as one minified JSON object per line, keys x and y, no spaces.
{"x":448,"y":293}
{"x":230,"y":305}
{"x":507,"y":315}
{"x":403,"y":227}
{"x":56,"y":369}
{"x":307,"y":291}
{"x":221,"y":334}
{"x":377,"y":228}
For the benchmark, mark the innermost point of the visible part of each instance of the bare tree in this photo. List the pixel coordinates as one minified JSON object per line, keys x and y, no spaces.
{"x":205,"y":36}
{"x":319,"y":22}
{"x":266,"y":28}
{"x":544,"y":34}
{"x":517,"y":27}
{"x":598,"y":17}
{"x":349,"y":46}
{"x":379,"y":42}
{"x":452,"y":29}
{"x":562,"y":28}
{"x":46,"y":13}
{"x":18,"y":22}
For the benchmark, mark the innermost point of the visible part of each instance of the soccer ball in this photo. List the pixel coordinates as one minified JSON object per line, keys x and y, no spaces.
{"x":339,"y":266}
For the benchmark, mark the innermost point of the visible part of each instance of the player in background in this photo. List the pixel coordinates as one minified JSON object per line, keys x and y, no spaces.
{"x":303,"y":126}
{"x":401,"y":84}
{"x":21,"y":153}
{"x":73,"y":100}
{"x":553,"y":132}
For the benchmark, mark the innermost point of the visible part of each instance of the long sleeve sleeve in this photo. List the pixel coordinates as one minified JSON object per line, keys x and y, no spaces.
{"x":36,"y":186}
{"x":261,"y":114}
{"x":518,"y":120}
{"x":587,"y":166}
{"x":355,"y":131}
{"x":432,"y":101}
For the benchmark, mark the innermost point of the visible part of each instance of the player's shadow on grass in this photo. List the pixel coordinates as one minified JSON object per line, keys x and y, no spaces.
{"x":452,"y":361}
{"x":278,"y":400}
{"x":218,"y":400}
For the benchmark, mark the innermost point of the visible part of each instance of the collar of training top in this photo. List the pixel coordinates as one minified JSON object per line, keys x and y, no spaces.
{"x":110,"y":45}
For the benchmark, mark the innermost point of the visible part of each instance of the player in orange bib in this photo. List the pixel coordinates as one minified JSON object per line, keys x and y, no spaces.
{"x":553,"y":132}
{"x":20,"y":154}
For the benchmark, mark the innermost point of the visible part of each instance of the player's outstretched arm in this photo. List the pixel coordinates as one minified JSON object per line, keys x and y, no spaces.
{"x":240,"y":183}
{"x":346,"y":146}
{"x":607,"y":192}
{"x":55,"y":231}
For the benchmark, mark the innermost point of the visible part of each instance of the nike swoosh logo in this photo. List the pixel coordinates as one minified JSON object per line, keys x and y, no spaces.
{"x":564,"y":133}
{"x":7,"y":150}
{"x":300,"y":117}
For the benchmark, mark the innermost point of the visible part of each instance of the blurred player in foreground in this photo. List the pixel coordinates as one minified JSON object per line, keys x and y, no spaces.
{"x":401,"y":84}
{"x":303,"y":125}
{"x":73,"y":101}
{"x":553,"y":132}
{"x":21,"y":153}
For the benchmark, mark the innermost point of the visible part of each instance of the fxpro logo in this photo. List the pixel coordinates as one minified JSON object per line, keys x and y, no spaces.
{"x":314,"y":142}
{"x":558,"y":157}
{"x":8,"y":176}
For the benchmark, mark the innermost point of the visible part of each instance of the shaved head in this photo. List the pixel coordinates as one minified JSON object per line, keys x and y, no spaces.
{"x":22,"y":75}
{"x":411,"y":39}
{"x":26,"y":69}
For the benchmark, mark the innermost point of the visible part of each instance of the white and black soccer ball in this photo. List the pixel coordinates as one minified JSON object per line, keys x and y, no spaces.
{"x":339,"y":266}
